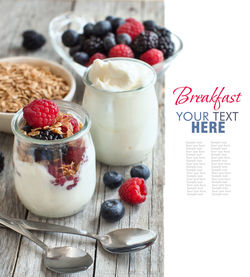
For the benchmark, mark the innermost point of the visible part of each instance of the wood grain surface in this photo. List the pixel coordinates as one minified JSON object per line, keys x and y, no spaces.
{"x":22,"y":258}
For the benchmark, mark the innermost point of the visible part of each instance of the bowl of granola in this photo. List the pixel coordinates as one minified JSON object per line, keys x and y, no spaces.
{"x":24,"y":79}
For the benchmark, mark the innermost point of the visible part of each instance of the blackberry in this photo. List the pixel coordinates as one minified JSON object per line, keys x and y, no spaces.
{"x":145,"y":41}
{"x":1,"y":162}
{"x":32,"y":40}
{"x":92,"y":45}
{"x":166,"y":46}
{"x":48,"y":135}
{"x":165,"y":43}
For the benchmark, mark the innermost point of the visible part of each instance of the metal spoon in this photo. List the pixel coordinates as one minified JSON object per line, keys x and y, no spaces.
{"x":118,"y":242}
{"x":59,"y":259}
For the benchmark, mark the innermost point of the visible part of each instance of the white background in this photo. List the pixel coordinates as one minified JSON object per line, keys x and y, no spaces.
{"x":208,"y":236}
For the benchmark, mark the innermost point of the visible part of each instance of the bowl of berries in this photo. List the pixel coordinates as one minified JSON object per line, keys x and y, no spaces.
{"x":83,"y":42}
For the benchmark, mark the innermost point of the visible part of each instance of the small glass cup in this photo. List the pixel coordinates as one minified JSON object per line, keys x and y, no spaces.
{"x":55,"y":178}
{"x":125,"y":123}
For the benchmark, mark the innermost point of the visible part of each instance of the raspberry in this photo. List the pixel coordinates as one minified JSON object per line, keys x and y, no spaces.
{"x":40,"y":113}
{"x":75,"y":154}
{"x":133,"y":191}
{"x":152,"y":56}
{"x":73,"y":122}
{"x":121,"y":50}
{"x":130,"y":20}
{"x":132,"y":27}
{"x":145,"y":41}
{"x":94,"y":57}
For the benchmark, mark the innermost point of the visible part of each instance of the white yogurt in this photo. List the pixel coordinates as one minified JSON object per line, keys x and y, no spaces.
{"x":121,"y":101}
{"x":34,"y":187}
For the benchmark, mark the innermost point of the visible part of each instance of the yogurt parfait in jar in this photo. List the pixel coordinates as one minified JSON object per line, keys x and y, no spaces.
{"x":121,"y":101}
{"x":54,"y":158}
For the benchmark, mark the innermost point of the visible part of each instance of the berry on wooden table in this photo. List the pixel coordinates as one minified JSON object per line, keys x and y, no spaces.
{"x":112,"y":210}
{"x":1,"y":162}
{"x":141,"y":171}
{"x":112,"y":179}
{"x":133,"y":191}
{"x":32,"y":40}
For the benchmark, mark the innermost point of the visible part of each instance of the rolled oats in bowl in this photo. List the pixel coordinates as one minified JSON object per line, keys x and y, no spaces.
{"x":21,"y":83}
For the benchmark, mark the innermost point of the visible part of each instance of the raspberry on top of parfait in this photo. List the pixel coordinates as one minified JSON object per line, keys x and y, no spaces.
{"x":46,"y":122}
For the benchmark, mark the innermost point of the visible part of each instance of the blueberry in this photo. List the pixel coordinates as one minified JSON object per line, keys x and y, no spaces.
{"x":88,"y":29}
{"x":124,"y":39}
{"x":109,"y":42}
{"x":112,"y":210}
{"x":149,"y":24}
{"x":75,"y":49}
{"x":70,"y":38}
{"x":110,"y":34}
{"x":117,"y":22}
{"x":81,"y":57}
{"x":110,"y":18}
{"x":101,"y":28}
{"x":112,"y":179}
{"x":140,"y":171}
{"x":42,"y":154}
{"x":27,"y":128}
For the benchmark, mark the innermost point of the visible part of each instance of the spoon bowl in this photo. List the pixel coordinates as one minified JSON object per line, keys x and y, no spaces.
{"x":127,"y":240}
{"x":67,"y":259}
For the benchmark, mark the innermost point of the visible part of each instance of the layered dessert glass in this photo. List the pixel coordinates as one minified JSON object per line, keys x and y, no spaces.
{"x":121,"y":100}
{"x":54,"y":178}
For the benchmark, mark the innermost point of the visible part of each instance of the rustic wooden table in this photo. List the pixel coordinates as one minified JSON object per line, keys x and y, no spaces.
{"x":18,"y":256}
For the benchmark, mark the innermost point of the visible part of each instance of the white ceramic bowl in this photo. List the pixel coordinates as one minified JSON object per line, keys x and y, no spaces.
{"x":57,"y":69}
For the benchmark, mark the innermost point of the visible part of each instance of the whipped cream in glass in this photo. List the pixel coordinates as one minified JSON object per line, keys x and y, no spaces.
{"x":121,"y":101}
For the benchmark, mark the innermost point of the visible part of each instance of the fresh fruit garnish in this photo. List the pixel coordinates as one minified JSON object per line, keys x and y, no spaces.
{"x":74,"y":154}
{"x":33,"y":40}
{"x":145,"y":41}
{"x":93,"y":45}
{"x":88,"y":29}
{"x":140,"y":171}
{"x":152,"y":56}
{"x":94,"y":57}
{"x":149,"y":25}
{"x":81,"y":57}
{"x":101,"y":28}
{"x":112,"y":210}
{"x":124,"y":39}
{"x":109,"y":42}
{"x":70,"y":38}
{"x":40,"y":113}
{"x":133,"y":191}
{"x":112,"y":179}
{"x":47,"y":135}
{"x":1,"y":162}
{"x":132,"y":27}
{"x":121,"y":50}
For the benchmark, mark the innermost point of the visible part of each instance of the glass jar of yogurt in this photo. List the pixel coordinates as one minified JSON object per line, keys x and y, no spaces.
{"x":121,"y":100}
{"x":55,"y":178}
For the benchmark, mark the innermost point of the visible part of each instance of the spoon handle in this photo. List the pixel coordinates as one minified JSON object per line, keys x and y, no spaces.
{"x":48,"y":227}
{"x":17,"y":227}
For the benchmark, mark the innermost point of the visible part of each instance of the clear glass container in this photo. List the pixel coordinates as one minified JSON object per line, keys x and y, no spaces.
{"x":55,"y":178}
{"x":125,"y":123}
